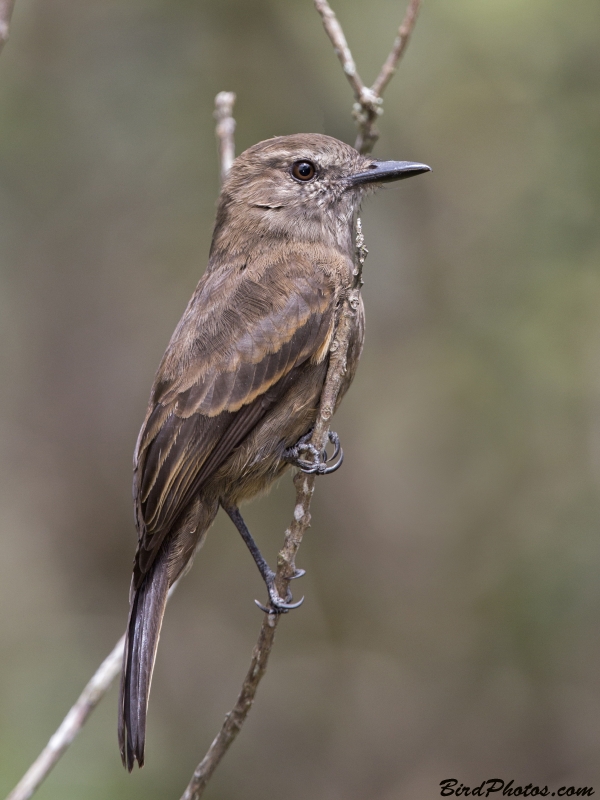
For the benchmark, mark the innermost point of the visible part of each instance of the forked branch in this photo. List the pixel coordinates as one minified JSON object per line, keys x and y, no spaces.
{"x":369,"y":102}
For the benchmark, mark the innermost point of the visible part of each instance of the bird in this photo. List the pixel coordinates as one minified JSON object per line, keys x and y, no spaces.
{"x":236,"y":394}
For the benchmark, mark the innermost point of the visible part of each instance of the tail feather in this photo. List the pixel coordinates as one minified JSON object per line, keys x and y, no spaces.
{"x":146,"y":613}
{"x":143,"y":630}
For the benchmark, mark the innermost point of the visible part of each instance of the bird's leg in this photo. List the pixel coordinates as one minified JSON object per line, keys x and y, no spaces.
{"x":319,"y":466}
{"x":277,"y":603}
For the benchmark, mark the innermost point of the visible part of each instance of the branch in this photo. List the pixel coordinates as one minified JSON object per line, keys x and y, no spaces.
{"x":404,"y":31}
{"x":305,"y":486}
{"x":340,"y":45}
{"x":6,"y":10}
{"x":369,"y":103}
{"x":71,"y":725}
{"x":87,"y":701}
{"x":225,"y":128}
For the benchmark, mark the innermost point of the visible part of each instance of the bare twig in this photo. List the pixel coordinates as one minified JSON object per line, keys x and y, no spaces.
{"x":87,"y":701}
{"x":340,"y":45}
{"x":6,"y":10}
{"x":369,"y":103}
{"x":305,"y":485}
{"x":235,"y":718}
{"x":225,"y":128}
{"x":71,"y":725}
{"x":391,"y":63}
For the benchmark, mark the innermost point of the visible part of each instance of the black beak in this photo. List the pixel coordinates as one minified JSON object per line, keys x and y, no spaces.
{"x":386,"y":171}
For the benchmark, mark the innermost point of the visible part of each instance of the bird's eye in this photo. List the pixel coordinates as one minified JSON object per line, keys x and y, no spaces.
{"x":303,"y":170}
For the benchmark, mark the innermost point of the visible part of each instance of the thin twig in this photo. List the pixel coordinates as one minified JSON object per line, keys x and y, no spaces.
{"x":225,"y":129}
{"x":391,"y":63}
{"x":71,"y":725}
{"x":6,"y":10}
{"x":68,"y":729}
{"x":305,"y":485}
{"x":340,"y":45}
{"x":369,"y":103}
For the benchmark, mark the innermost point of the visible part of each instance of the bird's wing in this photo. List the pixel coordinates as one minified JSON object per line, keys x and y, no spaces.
{"x":232,"y":356}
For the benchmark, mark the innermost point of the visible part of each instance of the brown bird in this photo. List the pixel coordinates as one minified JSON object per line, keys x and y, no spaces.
{"x":238,"y":388}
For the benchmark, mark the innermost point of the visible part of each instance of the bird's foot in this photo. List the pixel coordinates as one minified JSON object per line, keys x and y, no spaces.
{"x":277,"y":605}
{"x":321,"y":463}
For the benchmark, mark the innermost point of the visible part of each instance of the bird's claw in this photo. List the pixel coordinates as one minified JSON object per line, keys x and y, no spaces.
{"x":319,"y":465}
{"x":277,"y":605}
{"x":298,"y":574}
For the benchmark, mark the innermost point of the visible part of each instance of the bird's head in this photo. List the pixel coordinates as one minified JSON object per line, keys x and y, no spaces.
{"x":307,"y":187}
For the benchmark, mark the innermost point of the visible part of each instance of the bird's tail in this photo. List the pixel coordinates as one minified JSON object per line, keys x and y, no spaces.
{"x":147,"y":608}
{"x":143,"y":629}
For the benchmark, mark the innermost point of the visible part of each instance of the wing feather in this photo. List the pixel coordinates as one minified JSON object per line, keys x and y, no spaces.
{"x":232,"y":356}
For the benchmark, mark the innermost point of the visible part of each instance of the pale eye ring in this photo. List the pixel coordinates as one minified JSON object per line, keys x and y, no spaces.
{"x":303,"y":171}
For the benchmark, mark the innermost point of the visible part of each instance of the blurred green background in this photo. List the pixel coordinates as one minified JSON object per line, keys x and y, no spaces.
{"x":450,"y":628}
